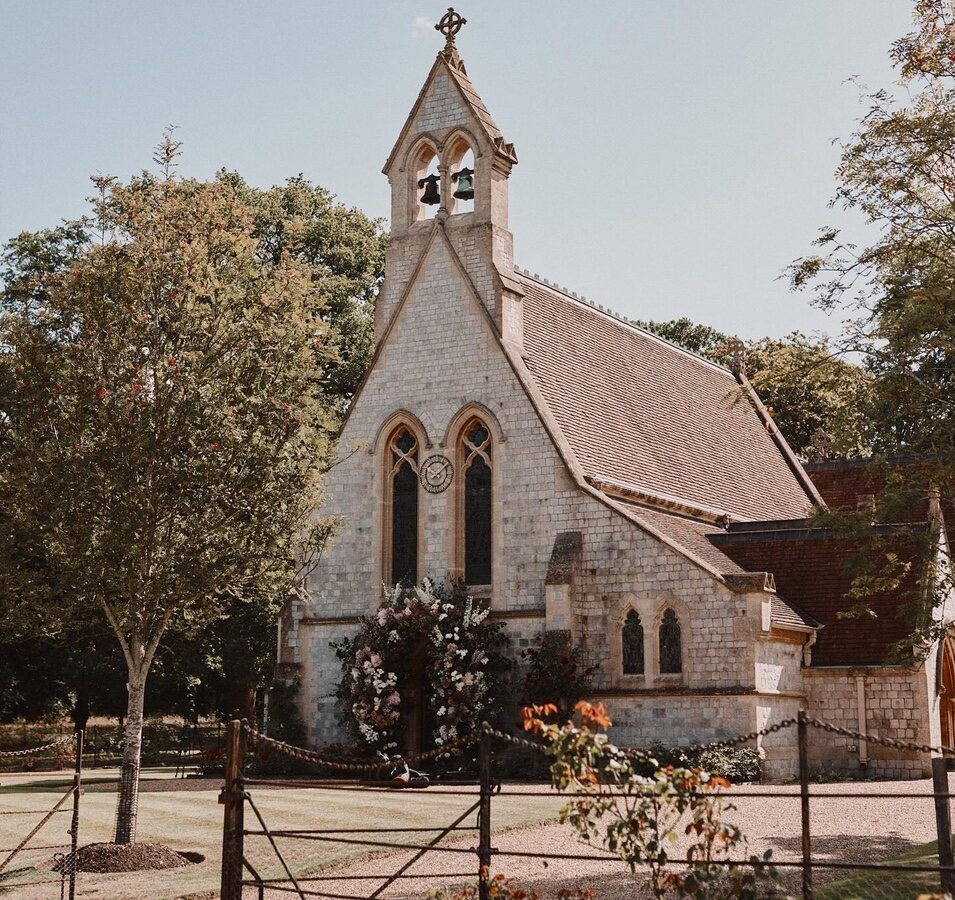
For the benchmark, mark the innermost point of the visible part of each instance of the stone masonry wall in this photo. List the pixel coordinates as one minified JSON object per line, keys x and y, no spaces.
{"x":897,"y":705}
{"x":442,"y":355}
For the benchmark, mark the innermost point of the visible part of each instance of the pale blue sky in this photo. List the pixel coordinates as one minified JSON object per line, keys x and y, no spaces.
{"x":674,"y":155}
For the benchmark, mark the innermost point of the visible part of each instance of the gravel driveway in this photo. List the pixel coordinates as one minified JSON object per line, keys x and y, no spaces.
{"x":856,"y":828}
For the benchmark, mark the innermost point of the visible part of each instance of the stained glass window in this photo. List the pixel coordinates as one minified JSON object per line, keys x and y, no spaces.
{"x":632,"y":644}
{"x":671,"y":644}
{"x":477,"y":504}
{"x":404,"y":507}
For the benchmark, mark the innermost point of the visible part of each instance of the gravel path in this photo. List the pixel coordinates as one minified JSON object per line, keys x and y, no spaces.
{"x":856,"y":828}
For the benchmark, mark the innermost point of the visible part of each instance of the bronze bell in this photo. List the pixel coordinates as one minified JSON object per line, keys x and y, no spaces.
{"x":465,"y":182}
{"x":430,"y":185}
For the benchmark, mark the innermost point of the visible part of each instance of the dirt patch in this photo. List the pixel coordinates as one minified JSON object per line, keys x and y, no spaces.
{"x":132,"y":857}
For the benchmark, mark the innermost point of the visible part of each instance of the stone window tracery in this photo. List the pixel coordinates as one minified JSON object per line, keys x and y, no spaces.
{"x":632,"y":640}
{"x":671,"y":644}
{"x":476,"y":447}
{"x":403,"y":521}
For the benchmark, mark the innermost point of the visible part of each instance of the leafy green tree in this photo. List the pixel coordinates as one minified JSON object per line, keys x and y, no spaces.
{"x":164,"y":421}
{"x":898,"y":172}
{"x":344,"y":252}
{"x":818,"y":400}
{"x":700,"y":339}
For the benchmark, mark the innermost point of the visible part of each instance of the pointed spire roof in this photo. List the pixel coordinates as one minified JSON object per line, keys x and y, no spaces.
{"x":450,"y":62}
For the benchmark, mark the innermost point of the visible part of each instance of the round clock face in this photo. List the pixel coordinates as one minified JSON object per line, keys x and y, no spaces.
{"x":436,"y":473}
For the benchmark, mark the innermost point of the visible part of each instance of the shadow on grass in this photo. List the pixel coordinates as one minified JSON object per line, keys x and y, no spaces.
{"x":50,"y":786}
{"x":889,"y":885}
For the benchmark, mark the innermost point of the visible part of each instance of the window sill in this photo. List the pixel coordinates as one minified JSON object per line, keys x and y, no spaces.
{"x":484,"y":591}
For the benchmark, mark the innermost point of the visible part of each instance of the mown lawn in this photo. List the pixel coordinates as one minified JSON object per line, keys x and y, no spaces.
{"x":190,"y":819}
{"x":871,"y":885}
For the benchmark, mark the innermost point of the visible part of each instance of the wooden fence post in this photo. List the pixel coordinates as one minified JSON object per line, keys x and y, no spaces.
{"x":484,"y":816}
{"x":943,"y":823}
{"x":803,"y":731}
{"x":75,"y":819}
{"x":233,"y":800}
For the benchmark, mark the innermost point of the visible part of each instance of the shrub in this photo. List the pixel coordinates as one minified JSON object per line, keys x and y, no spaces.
{"x":735,"y":764}
{"x":556,"y":672}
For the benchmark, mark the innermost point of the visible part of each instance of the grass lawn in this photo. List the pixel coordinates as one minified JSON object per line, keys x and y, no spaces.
{"x":866,"y":885}
{"x":187,"y":818}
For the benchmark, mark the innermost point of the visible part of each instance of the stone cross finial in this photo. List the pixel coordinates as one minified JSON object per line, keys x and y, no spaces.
{"x":449,"y":26}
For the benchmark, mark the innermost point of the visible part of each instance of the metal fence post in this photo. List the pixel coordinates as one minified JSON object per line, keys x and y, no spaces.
{"x":943,"y":823}
{"x":484,"y":816}
{"x":233,"y":800}
{"x":803,"y":731}
{"x":75,"y":818}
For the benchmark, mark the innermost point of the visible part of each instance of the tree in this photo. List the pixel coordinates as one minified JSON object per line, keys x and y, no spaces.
{"x":898,"y":171}
{"x":344,"y":251}
{"x":163,"y":420}
{"x":816,"y":397}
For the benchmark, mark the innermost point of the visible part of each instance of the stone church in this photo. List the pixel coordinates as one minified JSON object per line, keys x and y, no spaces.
{"x":584,"y":475}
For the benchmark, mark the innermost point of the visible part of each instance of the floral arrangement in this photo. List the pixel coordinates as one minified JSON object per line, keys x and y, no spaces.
{"x":464,"y":665}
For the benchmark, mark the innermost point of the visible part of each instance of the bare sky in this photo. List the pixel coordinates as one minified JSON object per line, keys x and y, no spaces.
{"x":674,"y":155}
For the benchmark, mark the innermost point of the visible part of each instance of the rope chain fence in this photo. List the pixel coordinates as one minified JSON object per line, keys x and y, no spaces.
{"x":32,"y":859}
{"x":32,"y":751}
{"x":863,"y":878}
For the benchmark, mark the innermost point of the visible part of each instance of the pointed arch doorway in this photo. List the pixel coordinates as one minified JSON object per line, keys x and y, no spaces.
{"x":946,"y":705}
{"x":419,"y":716}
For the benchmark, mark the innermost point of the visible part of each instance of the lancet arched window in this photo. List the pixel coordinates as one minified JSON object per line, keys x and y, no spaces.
{"x":402,"y":524}
{"x":671,"y":644}
{"x":632,"y":638}
{"x":476,"y":456}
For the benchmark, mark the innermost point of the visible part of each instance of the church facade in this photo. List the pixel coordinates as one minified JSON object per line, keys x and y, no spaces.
{"x":586,"y":476}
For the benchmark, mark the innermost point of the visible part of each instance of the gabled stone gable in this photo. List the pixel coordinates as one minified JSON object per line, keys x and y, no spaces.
{"x":441,"y":354}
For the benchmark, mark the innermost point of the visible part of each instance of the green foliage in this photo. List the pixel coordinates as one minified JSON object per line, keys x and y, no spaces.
{"x":735,"y":764}
{"x":618,"y":808}
{"x":702,"y":339}
{"x":899,"y":289}
{"x":433,"y":634}
{"x":164,"y":417}
{"x":556,"y":672}
{"x":343,"y":252}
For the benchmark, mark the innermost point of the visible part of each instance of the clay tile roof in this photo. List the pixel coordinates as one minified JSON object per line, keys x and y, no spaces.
{"x":695,"y":537}
{"x":645,"y":412}
{"x":812,"y":568}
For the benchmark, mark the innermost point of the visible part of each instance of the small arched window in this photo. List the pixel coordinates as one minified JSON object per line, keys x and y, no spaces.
{"x":632,"y":637}
{"x":403,"y":473}
{"x":476,"y":453}
{"x":671,"y":644}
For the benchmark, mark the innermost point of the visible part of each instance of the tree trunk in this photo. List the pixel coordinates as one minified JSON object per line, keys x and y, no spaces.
{"x":240,"y":698}
{"x":128,"y":798}
{"x":81,"y":708}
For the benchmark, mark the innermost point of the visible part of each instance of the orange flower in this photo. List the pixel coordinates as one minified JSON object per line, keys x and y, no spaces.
{"x":593,"y":715}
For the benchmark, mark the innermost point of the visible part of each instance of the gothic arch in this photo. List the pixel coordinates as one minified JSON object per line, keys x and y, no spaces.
{"x":457,"y":149}
{"x":651,"y":609}
{"x":469,"y":411}
{"x":400,"y":416}
{"x":946,"y":690}
{"x":400,"y":445}
{"x":476,"y":534}
{"x":670,"y":602}
{"x":424,"y":154}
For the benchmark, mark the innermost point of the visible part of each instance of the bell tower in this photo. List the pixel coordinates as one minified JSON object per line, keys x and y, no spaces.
{"x":449,"y":173}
